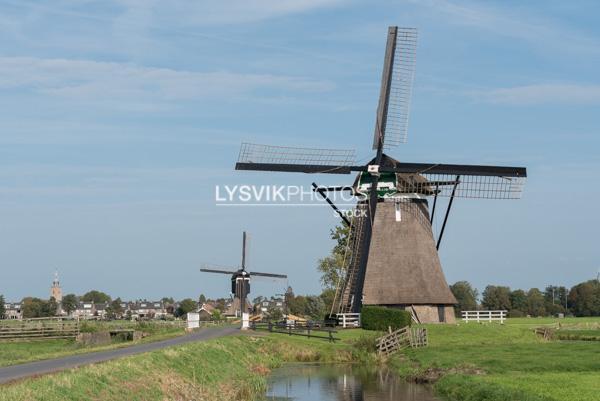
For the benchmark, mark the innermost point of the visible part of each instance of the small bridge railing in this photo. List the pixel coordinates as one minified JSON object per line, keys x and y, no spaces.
{"x":38,"y":328}
{"x":484,"y":316}
{"x":305,"y":330}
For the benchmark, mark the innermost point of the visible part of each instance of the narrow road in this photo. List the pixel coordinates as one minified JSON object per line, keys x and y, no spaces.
{"x":15,"y":372}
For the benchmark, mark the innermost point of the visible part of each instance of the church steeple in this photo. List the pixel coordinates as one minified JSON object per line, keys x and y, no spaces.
{"x":55,"y":290}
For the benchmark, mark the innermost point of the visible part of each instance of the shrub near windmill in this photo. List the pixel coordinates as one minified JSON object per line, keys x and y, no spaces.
{"x":392,"y":256}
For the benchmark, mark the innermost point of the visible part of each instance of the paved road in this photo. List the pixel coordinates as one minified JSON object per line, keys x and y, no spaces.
{"x":15,"y":372}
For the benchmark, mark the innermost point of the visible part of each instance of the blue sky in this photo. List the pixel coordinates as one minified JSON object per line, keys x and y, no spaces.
{"x":118,"y":118}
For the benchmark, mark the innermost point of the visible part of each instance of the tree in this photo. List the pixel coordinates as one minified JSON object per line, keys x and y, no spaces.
{"x":50,"y":308}
{"x":220,"y":304}
{"x":96,"y":297}
{"x":185,"y":306}
{"x":274,"y":312}
{"x":552,"y":301}
{"x":332,"y":267}
{"x":114,"y":309}
{"x":201,"y":299}
{"x":69,"y":303}
{"x":36,"y":307}
{"x":314,"y":307}
{"x":584,"y":299}
{"x":31,"y":307}
{"x":466,"y":296}
{"x":496,"y":298}
{"x":535,"y":303}
{"x":167,"y":300}
{"x":297,"y":305}
{"x":518,"y":302}
{"x":216,"y":315}
{"x":2,"y":307}
{"x":327,"y":296}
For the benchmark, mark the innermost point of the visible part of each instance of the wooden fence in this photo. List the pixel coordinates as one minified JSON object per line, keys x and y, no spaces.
{"x":547,"y":333}
{"x":402,"y":338}
{"x":484,"y":316}
{"x":304,"y":330}
{"x":40,"y":328}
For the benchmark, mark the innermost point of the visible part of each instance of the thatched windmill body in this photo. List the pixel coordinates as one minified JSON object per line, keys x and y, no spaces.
{"x":392,"y":254}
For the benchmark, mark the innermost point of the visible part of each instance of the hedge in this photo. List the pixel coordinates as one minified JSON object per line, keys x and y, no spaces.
{"x":380,"y":318}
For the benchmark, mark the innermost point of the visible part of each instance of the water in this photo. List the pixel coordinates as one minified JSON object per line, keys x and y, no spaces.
{"x":311,"y":382}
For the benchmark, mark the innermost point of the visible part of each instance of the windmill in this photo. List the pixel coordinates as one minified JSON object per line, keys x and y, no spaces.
{"x":240,"y":282}
{"x":392,"y":256}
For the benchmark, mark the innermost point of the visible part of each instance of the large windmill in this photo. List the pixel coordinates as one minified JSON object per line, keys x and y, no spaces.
{"x":392,"y":257}
{"x":240,"y":282}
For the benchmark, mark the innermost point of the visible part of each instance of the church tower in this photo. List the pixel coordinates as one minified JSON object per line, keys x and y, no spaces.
{"x":55,"y":290}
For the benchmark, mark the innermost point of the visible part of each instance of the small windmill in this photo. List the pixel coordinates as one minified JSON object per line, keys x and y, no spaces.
{"x":240,"y":282}
{"x":392,"y":257}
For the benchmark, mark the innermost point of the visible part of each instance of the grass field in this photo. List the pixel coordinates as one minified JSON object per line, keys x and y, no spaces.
{"x":469,"y":361}
{"x":14,"y":352}
{"x":508,"y":362}
{"x":229,"y":368}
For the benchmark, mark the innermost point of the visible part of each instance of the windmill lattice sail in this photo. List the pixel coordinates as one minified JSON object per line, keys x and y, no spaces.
{"x":269,"y":154}
{"x":396,"y":87}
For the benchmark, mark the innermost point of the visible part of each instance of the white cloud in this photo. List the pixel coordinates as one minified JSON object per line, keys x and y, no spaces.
{"x":85,"y":79}
{"x":224,"y":12}
{"x":179,"y":12}
{"x":514,"y":22}
{"x":544,"y":94}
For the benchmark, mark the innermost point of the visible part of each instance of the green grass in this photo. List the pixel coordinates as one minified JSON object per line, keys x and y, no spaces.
{"x":472,"y":362}
{"x":15,"y":352}
{"x":508,"y":362}
{"x":229,"y":368}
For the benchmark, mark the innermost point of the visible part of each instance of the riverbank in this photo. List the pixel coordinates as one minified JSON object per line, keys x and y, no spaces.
{"x":505,"y":362}
{"x":229,"y":368}
{"x":465,"y":362}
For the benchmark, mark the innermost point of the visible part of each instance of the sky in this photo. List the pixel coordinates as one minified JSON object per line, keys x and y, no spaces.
{"x":119,"y":117}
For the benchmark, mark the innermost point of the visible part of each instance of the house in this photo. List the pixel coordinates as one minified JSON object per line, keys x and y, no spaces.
{"x":148,"y":310}
{"x":206,"y":311}
{"x":233,"y":310}
{"x":84,"y":310}
{"x":13,"y":310}
{"x":100,"y":310}
{"x":267,"y":305}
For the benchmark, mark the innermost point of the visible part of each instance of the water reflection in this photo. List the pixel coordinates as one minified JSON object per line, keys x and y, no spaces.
{"x":342,"y":383}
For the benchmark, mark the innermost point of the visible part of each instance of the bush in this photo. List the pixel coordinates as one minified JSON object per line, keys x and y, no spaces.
{"x":516,"y":313}
{"x":366,"y":343}
{"x":380,"y":318}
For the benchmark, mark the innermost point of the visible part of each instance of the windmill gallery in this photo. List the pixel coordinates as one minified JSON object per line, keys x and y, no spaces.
{"x":392,"y":256}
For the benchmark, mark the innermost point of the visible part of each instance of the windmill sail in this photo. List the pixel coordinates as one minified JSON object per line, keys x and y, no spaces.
{"x":305,"y":160}
{"x":397,"y":78}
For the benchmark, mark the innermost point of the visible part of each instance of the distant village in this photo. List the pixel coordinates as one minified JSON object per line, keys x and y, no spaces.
{"x":95,"y":305}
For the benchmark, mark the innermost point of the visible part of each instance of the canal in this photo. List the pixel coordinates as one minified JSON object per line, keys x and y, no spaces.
{"x":313,"y":382}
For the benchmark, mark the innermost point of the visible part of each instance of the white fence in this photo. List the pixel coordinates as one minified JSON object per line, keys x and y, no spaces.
{"x":348,"y":319}
{"x":484,"y":316}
